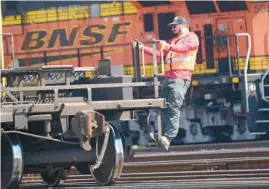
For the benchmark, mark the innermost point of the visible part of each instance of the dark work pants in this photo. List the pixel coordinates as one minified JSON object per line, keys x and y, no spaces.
{"x":174,"y":91}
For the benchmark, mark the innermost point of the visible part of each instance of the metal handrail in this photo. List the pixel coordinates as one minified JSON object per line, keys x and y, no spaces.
{"x":246,"y":67}
{"x":162,"y":62}
{"x":162,"y":55}
{"x":12,"y":46}
{"x":155,"y":68}
{"x":263,"y":86}
{"x":143,"y":57}
{"x":155,"y":63}
{"x":143,"y":62}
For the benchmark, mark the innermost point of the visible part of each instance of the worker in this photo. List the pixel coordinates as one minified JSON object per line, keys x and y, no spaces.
{"x":180,"y":57}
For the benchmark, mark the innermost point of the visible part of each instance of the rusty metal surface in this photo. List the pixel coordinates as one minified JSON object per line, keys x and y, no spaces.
{"x":87,"y":124}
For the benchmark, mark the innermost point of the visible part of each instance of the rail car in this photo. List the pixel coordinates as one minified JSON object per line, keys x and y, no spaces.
{"x":49,"y":126}
{"x":80,"y":34}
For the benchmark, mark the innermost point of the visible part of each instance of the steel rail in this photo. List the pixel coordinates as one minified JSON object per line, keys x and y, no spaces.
{"x":215,"y":168}
{"x":209,"y":146}
{"x":208,"y":162}
{"x":187,"y":176}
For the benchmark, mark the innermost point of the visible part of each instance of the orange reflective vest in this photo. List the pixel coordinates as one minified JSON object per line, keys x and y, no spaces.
{"x":180,"y":61}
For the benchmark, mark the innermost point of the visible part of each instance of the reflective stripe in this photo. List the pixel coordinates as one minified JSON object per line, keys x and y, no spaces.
{"x":182,"y":58}
{"x":177,"y":60}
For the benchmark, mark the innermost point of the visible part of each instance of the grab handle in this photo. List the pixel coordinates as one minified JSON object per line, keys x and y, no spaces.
{"x":246,"y":67}
{"x":155,"y":41}
{"x":142,"y":54}
{"x":143,"y":62}
{"x":162,"y":62}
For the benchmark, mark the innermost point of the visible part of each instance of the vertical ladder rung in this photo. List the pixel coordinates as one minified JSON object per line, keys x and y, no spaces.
{"x":263,"y":109}
{"x":262,"y":121}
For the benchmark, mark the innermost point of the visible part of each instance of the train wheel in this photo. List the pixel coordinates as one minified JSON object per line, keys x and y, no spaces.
{"x":111,"y":167}
{"x":54,"y":178}
{"x":11,"y":161}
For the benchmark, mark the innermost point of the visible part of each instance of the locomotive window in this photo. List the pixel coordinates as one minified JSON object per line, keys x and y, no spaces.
{"x":225,"y":6}
{"x":164,"y":19}
{"x":22,"y":6}
{"x":200,"y":7}
{"x":199,"y":58}
{"x":10,"y":7}
{"x":209,"y":49}
{"x":153,"y":3}
{"x":148,"y":22}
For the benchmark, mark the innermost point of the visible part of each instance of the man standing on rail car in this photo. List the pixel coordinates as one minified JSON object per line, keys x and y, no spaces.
{"x":180,"y":57}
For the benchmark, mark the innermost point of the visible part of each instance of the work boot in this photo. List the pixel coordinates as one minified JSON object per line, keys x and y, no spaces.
{"x":165,"y":142}
{"x":154,"y":137}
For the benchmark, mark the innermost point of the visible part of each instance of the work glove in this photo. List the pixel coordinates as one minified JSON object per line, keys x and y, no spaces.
{"x":165,"y":45}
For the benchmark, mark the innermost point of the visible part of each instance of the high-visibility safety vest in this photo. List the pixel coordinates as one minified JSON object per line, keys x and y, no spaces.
{"x":180,"y":61}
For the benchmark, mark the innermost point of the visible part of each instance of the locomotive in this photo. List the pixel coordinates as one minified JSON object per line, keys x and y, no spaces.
{"x":80,"y":34}
{"x":228,"y":99}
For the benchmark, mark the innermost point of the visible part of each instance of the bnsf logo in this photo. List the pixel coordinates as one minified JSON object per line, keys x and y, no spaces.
{"x":90,"y":35}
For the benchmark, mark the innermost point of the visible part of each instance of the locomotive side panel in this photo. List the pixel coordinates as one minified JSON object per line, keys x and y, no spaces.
{"x":59,"y":43}
{"x":260,"y":28}
{"x":75,"y":34}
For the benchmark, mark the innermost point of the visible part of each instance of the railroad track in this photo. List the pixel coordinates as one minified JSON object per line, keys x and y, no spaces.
{"x":212,"y":146}
{"x":249,"y":183}
{"x":182,"y":163}
{"x":183,"y":176}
